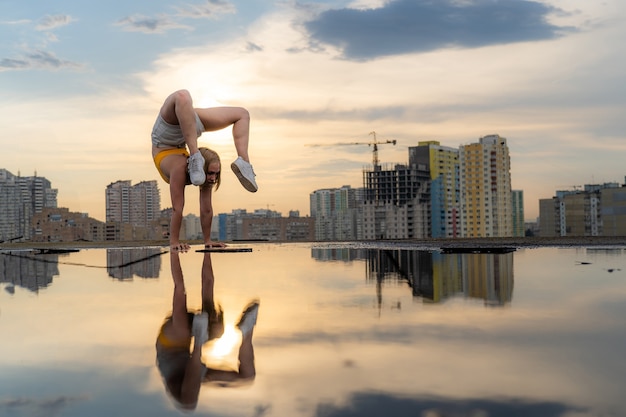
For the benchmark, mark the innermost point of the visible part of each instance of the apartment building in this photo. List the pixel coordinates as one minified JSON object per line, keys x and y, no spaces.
{"x":58,"y":224}
{"x":265,"y":225}
{"x":442,"y":163}
{"x":517,"y":211}
{"x":485,"y":188}
{"x":138,"y":204}
{"x":591,"y":210}
{"x":442,"y":192}
{"x":20,"y":199}
{"x":337,"y":213}
{"x":132,"y":210}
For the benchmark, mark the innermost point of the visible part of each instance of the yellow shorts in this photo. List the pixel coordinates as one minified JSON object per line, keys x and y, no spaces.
{"x":159,"y":157}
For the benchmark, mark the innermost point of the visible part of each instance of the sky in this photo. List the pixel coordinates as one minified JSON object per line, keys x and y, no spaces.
{"x":81,"y":84}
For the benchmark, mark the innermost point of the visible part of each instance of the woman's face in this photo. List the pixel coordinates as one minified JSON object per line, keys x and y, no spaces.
{"x":213,"y":173}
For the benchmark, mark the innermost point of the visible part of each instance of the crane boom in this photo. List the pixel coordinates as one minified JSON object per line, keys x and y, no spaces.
{"x":374,"y":143}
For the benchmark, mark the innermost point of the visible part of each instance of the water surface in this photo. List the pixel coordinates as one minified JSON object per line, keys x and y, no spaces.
{"x":343,"y":330}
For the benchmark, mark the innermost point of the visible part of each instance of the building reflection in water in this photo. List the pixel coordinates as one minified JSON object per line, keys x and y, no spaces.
{"x":434,"y":276}
{"x":35,"y":271}
{"x":124,"y":263}
{"x":27,"y":270}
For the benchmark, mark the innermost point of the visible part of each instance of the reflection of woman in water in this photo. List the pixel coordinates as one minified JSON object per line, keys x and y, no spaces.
{"x":179,"y":363}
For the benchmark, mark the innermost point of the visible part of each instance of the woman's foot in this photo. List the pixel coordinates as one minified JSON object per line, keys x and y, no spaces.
{"x":195,"y":166}
{"x":243,"y":170}
{"x":248,"y":318}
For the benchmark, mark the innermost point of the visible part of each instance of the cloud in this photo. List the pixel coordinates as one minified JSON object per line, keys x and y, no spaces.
{"x":146,"y":24}
{"x":162,"y":23}
{"x":209,"y":9}
{"x":37,"y":59}
{"x":253,"y":47}
{"x":376,"y":404}
{"x":15,"y":22}
{"x":13,"y":64}
{"x":407,"y":26}
{"x":53,"y":22}
{"x":41,"y":407}
{"x":364,"y":112}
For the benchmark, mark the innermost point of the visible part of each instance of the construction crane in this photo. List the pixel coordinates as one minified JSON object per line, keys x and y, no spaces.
{"x":374,"y":143}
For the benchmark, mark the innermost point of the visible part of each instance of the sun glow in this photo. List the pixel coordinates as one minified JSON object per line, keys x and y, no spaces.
{"x":223,"y":346}
{"x":208,"y":101}
{"x":215,"y":95}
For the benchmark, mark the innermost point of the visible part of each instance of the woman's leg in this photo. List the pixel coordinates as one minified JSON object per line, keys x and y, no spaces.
{"x":247,"y":369}
{"x":246,"y":351}
{"x":217,"y":118}
{"x":178,"y":110}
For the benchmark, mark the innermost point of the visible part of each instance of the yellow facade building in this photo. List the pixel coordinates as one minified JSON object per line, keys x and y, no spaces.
{"x":485,"y":188}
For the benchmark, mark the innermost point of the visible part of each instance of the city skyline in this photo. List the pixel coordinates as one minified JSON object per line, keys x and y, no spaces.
{"x":165,"y":203}
{"x":82,"y":85}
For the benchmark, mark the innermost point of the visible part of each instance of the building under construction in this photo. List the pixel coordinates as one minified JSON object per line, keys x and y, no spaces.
{"x":442,"y":192}
{"x":396,"y":202}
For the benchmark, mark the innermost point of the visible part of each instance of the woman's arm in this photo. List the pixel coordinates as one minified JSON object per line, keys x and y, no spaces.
{"x":206,"y":216}
{"x":177,"y":193}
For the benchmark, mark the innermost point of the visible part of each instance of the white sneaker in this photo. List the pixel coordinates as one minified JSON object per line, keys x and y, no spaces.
{"x":200,"y":328}
{"x":243,"y":170}
{"x":195,"y":166}
{"x":248,"y":318}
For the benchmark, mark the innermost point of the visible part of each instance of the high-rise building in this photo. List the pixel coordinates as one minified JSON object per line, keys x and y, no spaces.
{"x":12,"y":208}
{"x":118,"y":202}
{"x":442,"y":163}
{"x":336,"y":213}
{"x":132,"y":210}
{"x":138,"y":204}
{"x":193,"y":227}
{"x":396,"y":202}
{"x":518,"y":213}
{"x":442,"y":192}
{"x":145,"y":203}
{"x":485,"y":177}
{"x":21,"y":198}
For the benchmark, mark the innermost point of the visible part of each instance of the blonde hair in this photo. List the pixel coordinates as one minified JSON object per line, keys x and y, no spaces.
{"x":211,"y":156}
